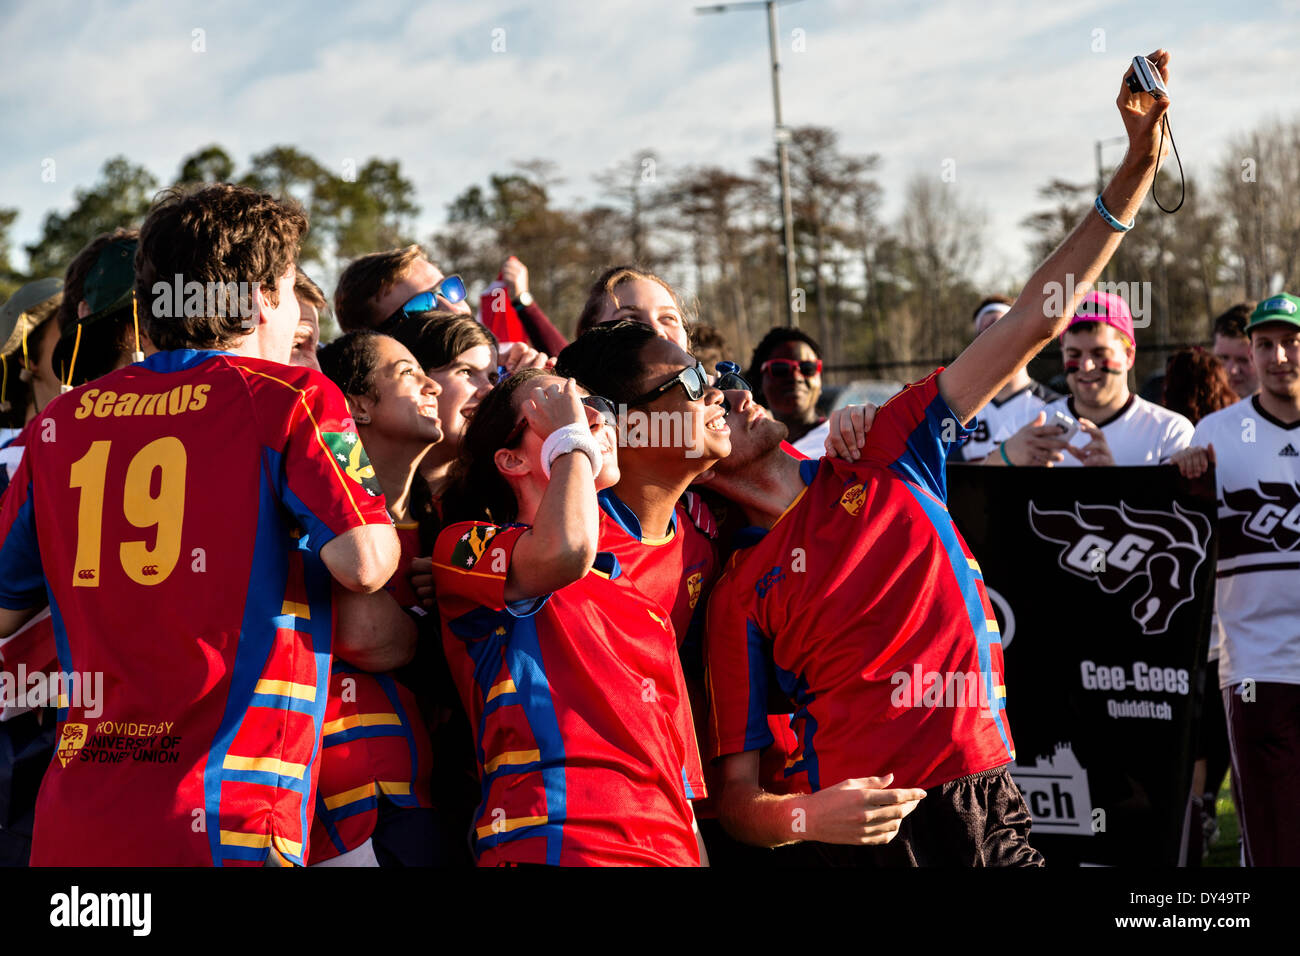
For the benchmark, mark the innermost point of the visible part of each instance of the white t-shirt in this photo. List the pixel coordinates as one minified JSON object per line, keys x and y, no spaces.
{"x":998,"y":421}
{"x":1257,"y":595}
{"x":813,"y":444}
{"x":1143,"y":433}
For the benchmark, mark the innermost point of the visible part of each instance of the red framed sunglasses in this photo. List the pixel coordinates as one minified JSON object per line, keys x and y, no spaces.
{"x":782,"y":368}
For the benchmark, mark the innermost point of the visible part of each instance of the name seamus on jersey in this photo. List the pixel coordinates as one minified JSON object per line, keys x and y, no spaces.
{"x":106,"y":403}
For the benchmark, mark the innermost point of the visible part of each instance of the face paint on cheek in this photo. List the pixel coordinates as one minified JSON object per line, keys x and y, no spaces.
{"x":1071,"y":368}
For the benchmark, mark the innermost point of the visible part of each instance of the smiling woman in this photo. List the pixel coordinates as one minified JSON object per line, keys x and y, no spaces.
{"x":460,"y":354}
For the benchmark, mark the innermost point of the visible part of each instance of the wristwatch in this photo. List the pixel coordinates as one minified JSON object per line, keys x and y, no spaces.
{"x":524,"y":299}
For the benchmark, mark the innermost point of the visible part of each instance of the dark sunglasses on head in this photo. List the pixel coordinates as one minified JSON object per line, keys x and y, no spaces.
{"x":784,"y":368}
{"x":451,"y":288}
{"x":603,"y":406}
{"x":691,"y":378}
{"x":729,"y":377}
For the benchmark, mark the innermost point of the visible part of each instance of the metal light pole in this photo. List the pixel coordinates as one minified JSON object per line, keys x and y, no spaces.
{"x":782,"y":136}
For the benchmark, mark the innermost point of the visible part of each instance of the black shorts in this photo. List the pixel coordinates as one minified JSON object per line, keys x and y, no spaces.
{"x":980,"y":820}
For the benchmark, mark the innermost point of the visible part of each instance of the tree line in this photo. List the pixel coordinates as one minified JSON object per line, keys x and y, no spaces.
{"x":886,"y":296}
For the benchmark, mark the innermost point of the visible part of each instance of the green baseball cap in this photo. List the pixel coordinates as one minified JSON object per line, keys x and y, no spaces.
{"x":1282,"y":307}
{"x":14,"y":314}
{"x":107,"y":292}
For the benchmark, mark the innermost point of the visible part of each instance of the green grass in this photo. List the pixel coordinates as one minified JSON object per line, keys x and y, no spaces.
{"x":1225,"y":851}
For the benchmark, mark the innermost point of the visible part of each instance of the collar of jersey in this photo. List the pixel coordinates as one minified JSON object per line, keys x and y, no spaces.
{"x":606,"y":565}
{"x":1132,"y":397}
{"x":1270,"y":417}
{"x":751,"y":535}
{"x":177,"y":360}
{"x":626,"y":518}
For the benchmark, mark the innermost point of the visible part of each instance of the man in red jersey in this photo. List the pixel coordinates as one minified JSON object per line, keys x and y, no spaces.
{"x":856,"y":584}
{"x":216,"y":493}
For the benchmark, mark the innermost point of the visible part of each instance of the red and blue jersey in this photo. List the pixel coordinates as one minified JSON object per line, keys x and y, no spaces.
{"x":172,"y":513}
{"x":583,"y":731}
{"x":374,"y":747}
{"x":374,"y":744}
{"x":675,"y":570}
{"x":866,"y":609}
{"x":678,"y":571}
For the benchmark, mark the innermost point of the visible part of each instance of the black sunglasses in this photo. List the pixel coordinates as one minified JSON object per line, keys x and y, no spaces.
{"x":729,"y":377}
{"x":602,"y":405}
{"x":691,"y":378}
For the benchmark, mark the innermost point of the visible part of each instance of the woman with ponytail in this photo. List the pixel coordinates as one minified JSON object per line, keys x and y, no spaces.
{"x":583,"y":732}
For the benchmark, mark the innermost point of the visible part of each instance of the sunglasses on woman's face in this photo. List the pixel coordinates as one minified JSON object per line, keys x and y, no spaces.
{"x":603,"y":406}
{"x":691,"y":378}
{"x":782,"y":368}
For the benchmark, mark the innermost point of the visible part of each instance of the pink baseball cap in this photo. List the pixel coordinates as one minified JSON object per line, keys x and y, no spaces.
{"x":1107,"y":308}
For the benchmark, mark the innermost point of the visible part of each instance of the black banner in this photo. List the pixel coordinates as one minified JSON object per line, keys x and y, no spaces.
{"x":1102,"y":580}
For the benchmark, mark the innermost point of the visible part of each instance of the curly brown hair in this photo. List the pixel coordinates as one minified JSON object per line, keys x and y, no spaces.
{"x":1196,"y":384}
{"x":219,"y":235}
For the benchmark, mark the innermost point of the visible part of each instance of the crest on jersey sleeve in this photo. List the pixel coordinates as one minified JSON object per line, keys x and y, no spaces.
{"x":352,"y":459}
{"x":471,"y":546}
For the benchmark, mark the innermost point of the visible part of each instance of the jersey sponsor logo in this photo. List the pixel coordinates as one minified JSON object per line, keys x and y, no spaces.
{"x":101,"y":403}
{"x":352,"y":458}
{"x":1288,"y":451}
{"x":471,"y":546}
{"x":1269,"y":514}
{"x":853,"y":499}
{"x":71,"y":740}
{"x":1114,"y":546}
{"x":767,"y":581}
{"x":694,"y":584}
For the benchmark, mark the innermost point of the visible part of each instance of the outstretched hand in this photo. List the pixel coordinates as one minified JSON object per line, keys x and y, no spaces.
{"x":1142,"y":114}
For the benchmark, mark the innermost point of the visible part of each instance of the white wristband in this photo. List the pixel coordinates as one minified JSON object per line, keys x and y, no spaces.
{"x":570,"y":438}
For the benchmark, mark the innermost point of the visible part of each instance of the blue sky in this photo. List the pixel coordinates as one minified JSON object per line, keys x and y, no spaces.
{"x":1012,"y":91}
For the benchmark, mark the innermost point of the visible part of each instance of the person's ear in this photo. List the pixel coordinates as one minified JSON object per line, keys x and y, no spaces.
{"x":83,"y":309}
{"x":261,"y":303}
{"x":361,"y":407}
{"x":512,"y":462}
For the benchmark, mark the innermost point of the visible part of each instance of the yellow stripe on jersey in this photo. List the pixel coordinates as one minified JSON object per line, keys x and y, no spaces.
{"x":320,"y":440}
{"x":286,"y":688}
{"x":513,"y":758}
{"x":258,"y":841}
{"x":395,"y":788}
{"x":294,"y":609}
{"x":361,"y":720}
{"x":506,"y":686}
{"x":505,"y":826}
{"x":363,"y":792}
{"x":275,"y":765}
{"x":287,"y":847}
{"x":992,"y":625}
{"x":974,"y":565}
{"x":1000,"y":690}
